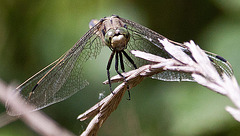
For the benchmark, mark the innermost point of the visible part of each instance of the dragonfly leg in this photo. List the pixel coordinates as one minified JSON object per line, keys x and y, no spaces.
{"x":108,"y":68}
{"x":129,"y":94}
{"x":123,"y":69}
{"x":129,"y":59}
{"x":121,"y":62}
{"x":116,"y":67}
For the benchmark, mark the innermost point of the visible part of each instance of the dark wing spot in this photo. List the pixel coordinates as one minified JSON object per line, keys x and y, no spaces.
{"x":221,"y":58}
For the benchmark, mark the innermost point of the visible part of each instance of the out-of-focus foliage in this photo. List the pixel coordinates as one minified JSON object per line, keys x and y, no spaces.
{"x":35,"y":33}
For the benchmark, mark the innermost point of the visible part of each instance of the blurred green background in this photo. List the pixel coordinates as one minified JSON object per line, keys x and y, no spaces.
{"x":35,"y":33}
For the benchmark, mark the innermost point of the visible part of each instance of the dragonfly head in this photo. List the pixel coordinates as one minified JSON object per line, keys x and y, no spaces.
{"x":117,"y":39}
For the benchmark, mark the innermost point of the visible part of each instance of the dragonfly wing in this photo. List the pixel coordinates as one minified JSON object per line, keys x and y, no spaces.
{"x":146,"y":40}
{"x":64,"y":77}
{"x":221,"y":64}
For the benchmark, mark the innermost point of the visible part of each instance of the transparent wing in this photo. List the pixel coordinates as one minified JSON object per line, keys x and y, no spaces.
{"x":64,"y":77}
{"x":222,"y":65}
{"x":146,"y":40}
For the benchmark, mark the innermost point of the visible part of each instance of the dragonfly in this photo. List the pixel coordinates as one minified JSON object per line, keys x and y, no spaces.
{"x":64,"y":77}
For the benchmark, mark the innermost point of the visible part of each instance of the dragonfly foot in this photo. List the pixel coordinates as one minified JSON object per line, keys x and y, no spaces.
{"x":129,"y":96}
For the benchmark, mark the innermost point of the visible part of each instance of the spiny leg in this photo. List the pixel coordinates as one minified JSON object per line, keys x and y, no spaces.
{"x":134,"y":65}
{"x":123,"y":69}
{"x":129,"y":59}
{"x":121,"y":62}
{"x":108,"y":68}
{"x":116,"y":66}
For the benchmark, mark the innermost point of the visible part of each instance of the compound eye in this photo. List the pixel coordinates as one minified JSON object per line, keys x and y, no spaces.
{"x":124,"y":32}
{"x":108,"y":37}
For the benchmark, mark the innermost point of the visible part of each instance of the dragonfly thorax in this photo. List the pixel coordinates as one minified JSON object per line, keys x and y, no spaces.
{"x":117,"y":39}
